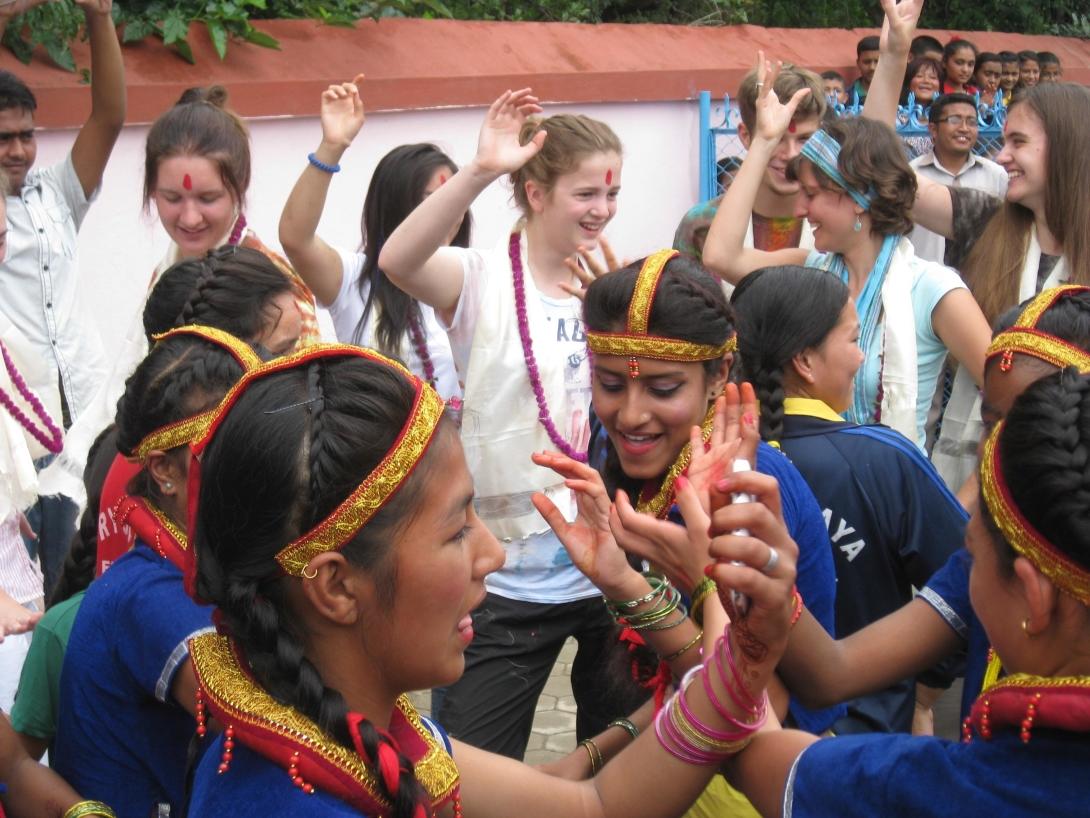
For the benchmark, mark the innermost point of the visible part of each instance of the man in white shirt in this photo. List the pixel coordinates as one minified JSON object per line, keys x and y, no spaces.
{"x":953,"y":125}
{"x":45,"y":208}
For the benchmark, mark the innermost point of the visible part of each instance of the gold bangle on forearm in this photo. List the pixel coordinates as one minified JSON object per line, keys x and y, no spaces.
{"x":677,"y":653}
{"x":82,"y":808}
{"x":596,"y":759}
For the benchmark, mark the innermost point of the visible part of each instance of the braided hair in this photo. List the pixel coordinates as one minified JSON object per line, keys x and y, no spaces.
{"x":231,"y":289}
{"x":1044,"y":451}
{"x":79,"y":564}
{"x":775,"y":324}
{"x":292,"y":448}
{"x":689,"y":305}
{"x":180,"y":377}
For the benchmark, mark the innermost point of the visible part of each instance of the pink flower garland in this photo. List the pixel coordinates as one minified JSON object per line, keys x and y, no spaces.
{"x":236,"y":231}
{"x":528,"y":354}
{"x":53,"y":442}
{"x":420,"y":346}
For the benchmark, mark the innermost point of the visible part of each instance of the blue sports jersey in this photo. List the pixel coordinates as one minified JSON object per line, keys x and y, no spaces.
{"x":121,"y":738}
{"x":892,"y":523}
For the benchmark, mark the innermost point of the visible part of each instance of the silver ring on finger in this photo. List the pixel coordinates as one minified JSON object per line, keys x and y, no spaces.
{"x":773,"y":561}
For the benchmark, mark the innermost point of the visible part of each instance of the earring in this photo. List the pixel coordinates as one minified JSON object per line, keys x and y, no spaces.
{"x":312,"y":575}
{"x":168,"y":486}
{"x":858,"y":224}
{"x":1025,"y":626}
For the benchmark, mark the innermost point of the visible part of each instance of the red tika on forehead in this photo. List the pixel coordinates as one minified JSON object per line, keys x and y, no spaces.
{"x":187,"y":182}
{"x":791,"y":128}
{"x":442,"y":180}
{"x":609,"y":176}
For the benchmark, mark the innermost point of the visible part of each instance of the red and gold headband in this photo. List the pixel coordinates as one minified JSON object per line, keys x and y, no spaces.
{"x":384,"y":480}
{"x":184,"y":431}
{"x":1064,"y":572}
{"x":1024,"y":337}
{"x":636,"y":342}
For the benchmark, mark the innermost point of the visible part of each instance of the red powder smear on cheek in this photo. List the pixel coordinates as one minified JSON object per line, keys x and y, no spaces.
{"x":609,"y":176}
{"x":187,"y":182}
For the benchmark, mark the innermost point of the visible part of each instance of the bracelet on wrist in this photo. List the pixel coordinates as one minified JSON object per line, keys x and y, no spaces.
{"x":627,"y":726}
{"x":597,"y":761}
{"x":83,"y":808}
{"x":705,"y":588}
{"x":796,"y":601}
{"x":318,"y":163}
{"x":691,"y":643}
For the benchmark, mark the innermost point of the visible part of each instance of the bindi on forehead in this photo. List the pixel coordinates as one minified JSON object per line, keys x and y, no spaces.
{"x":187,"y":182}
{"x":609,"y":176}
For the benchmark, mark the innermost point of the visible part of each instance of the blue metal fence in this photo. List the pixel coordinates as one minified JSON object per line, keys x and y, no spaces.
{"x":721,"y":150}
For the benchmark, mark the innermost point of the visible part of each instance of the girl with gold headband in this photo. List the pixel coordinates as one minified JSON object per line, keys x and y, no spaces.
{"x":338,"y":539}
{"x":1025,"y":744}
{"x":857,"y":190}
{"x":234,"y":289}
{"x":1050,"y":332}
{"x":663,"y":340}
{"x":128,"y":712}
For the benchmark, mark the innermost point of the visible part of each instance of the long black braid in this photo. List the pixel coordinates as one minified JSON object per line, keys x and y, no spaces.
{"x":292,"y":448}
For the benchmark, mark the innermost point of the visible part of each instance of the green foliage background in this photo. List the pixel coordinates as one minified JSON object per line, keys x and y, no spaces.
{"x":56,"y":24}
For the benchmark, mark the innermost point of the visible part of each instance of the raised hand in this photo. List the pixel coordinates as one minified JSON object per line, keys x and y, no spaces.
{"x":773,"y":116}
{"x":899,"y":25}
{"x":9,"y":10}
{"x":342,"y":113}
{"x":588,"y":540}
{"x":498,"y":147}
{"x":682,"y":553}
{"x":591,"y":269}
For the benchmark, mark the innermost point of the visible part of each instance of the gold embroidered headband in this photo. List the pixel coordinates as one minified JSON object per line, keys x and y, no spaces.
{"x":1024,"y":337}
{"x":636,"y":342}
{"x":379,"y":486}
{"x":1064,"y":572}
{"x":186,"y":430}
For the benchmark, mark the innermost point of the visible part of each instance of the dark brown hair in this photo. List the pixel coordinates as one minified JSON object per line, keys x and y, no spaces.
{"x":871,"y":161}
{"x":200,"y":124}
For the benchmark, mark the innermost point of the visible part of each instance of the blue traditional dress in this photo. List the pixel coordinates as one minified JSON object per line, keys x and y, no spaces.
{"x":271,"y":760}
{"x":1024,"y":755}
{"x":121,"y":738}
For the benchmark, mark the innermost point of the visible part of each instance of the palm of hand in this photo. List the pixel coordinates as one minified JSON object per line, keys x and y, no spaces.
{"x":591,"y":544}
{"x":499,"y":143}
{"x":340,"y":119}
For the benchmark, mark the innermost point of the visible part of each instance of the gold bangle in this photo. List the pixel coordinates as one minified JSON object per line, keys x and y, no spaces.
{"x":677,"y":653}
{"x":82,"y":808}
{"x":596,"y":759}
{"x":704,"y":589}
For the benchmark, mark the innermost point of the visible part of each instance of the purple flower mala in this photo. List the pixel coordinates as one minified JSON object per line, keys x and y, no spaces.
{"x":528,"y":354}
{"x":236,"y":231}
{"x":53,"y":442}
{"x":420,"y":346}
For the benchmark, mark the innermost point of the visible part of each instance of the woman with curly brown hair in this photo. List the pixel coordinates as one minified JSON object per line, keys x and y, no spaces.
{"x":858,"y":192}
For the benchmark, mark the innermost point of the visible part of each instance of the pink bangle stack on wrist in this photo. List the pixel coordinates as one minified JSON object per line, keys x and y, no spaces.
{"x":684,"y":736}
